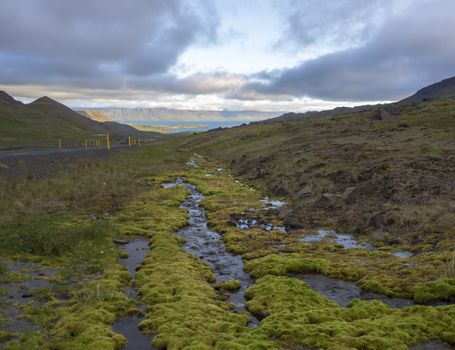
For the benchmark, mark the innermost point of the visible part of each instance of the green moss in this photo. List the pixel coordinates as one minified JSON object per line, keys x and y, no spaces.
{"x":285,"y":264}
{"x":441,"y":289}
{"x":123,"y":255}
{"x":297,"y":315}
{"x":228,"y":285}
{"x":184,"y":309}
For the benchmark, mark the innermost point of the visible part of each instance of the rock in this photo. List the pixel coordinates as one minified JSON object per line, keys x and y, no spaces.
{"x":292,"y":222}
{"x":305,"y":192}
{"x":278,"y":189}
{"x":377,"y":220}
{"x":327,"y":196}
{"x":381,"y":114}
{"x":347,"y":194}
{"x":120,"y":241}
{"x":284,"y":213}
{"x":379,"y":235}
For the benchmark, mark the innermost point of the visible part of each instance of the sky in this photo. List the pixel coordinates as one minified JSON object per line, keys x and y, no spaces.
{"x":271,"y":55}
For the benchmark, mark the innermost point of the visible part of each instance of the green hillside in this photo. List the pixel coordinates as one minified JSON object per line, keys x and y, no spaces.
{"x":44,"y":121}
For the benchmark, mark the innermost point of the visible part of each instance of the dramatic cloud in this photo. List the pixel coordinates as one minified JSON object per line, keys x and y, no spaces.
{"x":336,"y":24}
{"x":408,"y":51}
{"x":98,"y":42}
{"x":287,"y":54}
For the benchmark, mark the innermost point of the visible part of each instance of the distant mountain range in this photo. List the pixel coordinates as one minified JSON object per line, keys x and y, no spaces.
{"x":45,"y":120}
{"x":133,"y":115}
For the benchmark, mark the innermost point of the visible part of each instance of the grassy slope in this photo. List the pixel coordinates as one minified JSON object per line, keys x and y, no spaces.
{"x":34,"y":125}
{"x":44,"y":121}
{"x":394,"y":177}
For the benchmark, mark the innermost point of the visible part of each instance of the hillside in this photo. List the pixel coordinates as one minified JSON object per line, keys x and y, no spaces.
{"x":45,"y":120}
{"x":96,"y":115}
{"x":443,"y":89}
{"x":390,"y":178}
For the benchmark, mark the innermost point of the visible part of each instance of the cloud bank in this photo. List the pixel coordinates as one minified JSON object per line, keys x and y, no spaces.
{"x":349,"y":50}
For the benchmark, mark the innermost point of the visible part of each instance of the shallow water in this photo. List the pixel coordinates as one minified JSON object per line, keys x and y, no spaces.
{"x":192,"y":163}
{"x":347,"y":241}
{"x":432,"y":345}
{"x":343,"y":292}
{"x":128,"y":325}
{"x":247,"y":224}
{"x":208,"y":246}
{"x":402,"y":254}
{"x":20,"y":293}
{"x":272,"y":203}
{"x":136,"y":250}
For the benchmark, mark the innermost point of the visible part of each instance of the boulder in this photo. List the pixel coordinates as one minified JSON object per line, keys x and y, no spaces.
{"x":305,"y":191}
{"x":347,"y":194}
{"x":381,"y":114}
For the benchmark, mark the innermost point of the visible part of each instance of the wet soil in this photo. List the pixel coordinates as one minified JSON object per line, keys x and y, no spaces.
{"x":17,"y":294}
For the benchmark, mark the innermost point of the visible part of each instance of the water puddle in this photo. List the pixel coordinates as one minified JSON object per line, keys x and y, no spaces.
{"x":208,"y":246}
{"x":272,"y":203}
{"x":128,"y":325}
{"x":403,"y":254}
{"x":347,"y":241}
{"x":343,"y":292}
{"x":432,"y":345}
{"x":247,"y":224}
{"x":192,"y":163}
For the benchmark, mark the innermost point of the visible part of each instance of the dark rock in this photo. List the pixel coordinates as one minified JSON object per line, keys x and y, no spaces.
{"x":347,"y":194}
{"x":381,"y":114}
{"x":379,"y":235}
{"x":327,"y":196}
{"x":377,"y":220}
{"x":305,"y":192}
{"x":120,"y":241}
{"x":284,"y":213}
{"x":293,"y":222}
{"x":278,"y":189}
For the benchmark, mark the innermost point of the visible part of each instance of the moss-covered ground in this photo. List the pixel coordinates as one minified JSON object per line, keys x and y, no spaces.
{"x":185,"y":308}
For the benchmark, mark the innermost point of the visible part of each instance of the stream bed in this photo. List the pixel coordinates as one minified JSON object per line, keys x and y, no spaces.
{"x":343,"y":292}
{"x":128,"y":325}
{"x":208,"y":246}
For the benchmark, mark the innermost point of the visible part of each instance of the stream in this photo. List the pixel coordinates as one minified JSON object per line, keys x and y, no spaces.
{"x":128,"y":325}
{"x":208,"y":246}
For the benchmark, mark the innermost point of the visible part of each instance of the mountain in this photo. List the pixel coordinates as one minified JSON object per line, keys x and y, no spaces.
{"x":7,"y":99}
{"x":443,"y":89}
{"x":44,"y":121}
{"x":312,"y":114}
{"x":132,"y":115}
